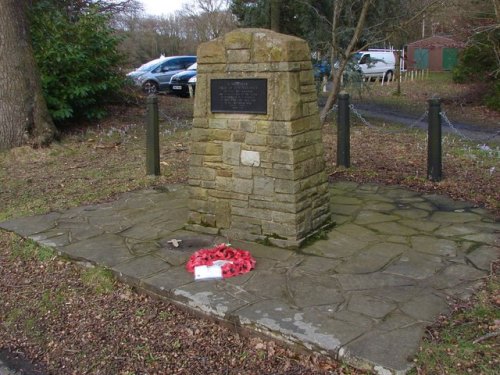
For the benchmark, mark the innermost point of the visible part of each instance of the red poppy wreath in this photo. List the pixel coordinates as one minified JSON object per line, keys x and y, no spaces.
{"x":236,"y":261}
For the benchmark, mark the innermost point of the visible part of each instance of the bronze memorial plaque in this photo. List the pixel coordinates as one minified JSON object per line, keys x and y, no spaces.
{"x":247,"y":95}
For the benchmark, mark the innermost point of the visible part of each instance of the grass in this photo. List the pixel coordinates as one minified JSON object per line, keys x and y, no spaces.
{"x":26,"y":249}
{"x":99,"y":279}
{"x":465,"y":343}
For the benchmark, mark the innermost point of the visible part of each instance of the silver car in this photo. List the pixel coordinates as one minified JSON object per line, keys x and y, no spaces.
{"x":155,"y":75}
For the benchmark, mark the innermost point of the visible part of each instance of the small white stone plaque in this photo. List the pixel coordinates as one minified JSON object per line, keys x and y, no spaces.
{"x":250,"y":158}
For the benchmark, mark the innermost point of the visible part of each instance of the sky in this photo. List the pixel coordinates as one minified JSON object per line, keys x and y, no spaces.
{"x":159,"y":7}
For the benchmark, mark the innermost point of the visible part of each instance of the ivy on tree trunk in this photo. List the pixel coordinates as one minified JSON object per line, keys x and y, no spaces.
{"x":24,"y":117}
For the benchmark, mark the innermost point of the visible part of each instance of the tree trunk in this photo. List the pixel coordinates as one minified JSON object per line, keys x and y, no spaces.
{"x":24,"y":117}
{"x":397,"y":72}
{"x":275,"y":15}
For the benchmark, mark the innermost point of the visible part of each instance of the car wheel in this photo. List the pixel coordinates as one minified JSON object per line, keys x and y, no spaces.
{"x":150,"y":87}
{"x":388,"y":75}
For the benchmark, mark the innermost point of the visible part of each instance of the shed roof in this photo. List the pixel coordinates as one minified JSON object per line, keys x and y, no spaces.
{"x":437,"y":41}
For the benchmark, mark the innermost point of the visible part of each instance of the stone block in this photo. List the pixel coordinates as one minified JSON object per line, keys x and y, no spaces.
{"x":204,"y":69}
{"x":263,"y":185}
{"x":238,"y":39}
{"x":250,"y":158}
{"x":208,"y":184}
{"x":211,"y":52}
{"x":198,"y":193}
{"x":238,"y":56}
{"x":243,"y":186}
{"x":223,"y":214}
{"x":256,"y":213}
{"x":194,"y":217}
{"x":283,"y":156}
{"x":262,"y":127}
{"x":301,"y":125}
{"x":309,"y":109}
{"x":231,"y":153}
{"x":228,"y":195}
{"x":306,"y":76}
{"x":220,"y":135}
{"x":256,"y":139}
{"x":286,"y":93}
{"x":307,"y":88}
{"x":304,"y":153}
{"x":243,"y":172}
{"x":224,"y":183}
{"x":239,"y":137}
{"x":202,"y":173}
{"x":204,"y":148}
{"x":208,"y":220}
{"x":201,"y":206}
{"x":224,"y":172}
{"x":277,"y":230}
{"x":217,"y":123}
{"x":287,"y":186}
{"x":196,"y":160}
{"x":309,"y":97}
{"x":244,"y":223}
{"x":248,"y":126}
{"x":272,"y":205}
{"x":212,"y":160}
{"x":200,"y":135}
{"x":239,"y":68}
{"x":280,"y":141}
{"x":274,"y":47}
{"x":200,"y":123}
{"x":280,"y":174}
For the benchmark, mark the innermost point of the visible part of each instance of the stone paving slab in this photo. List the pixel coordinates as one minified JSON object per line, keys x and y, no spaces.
{"x":364,"y":294}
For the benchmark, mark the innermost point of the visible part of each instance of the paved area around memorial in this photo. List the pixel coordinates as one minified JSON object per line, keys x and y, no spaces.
{"x":365,"y":293}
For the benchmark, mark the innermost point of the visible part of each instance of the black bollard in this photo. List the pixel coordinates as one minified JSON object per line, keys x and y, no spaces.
{"x":152,"y":138}
{"x":343,"y":131}
{"x":434,"y":172}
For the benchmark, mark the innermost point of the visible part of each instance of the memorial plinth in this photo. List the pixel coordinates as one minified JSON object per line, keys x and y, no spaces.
{"x":257,"y":169}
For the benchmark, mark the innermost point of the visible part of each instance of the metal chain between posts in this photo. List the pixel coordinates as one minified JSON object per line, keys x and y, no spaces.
{"x":177,"y":123}
{"x":419,"y":120}
{"x":360,"y":116}
{"x":448,"y":122}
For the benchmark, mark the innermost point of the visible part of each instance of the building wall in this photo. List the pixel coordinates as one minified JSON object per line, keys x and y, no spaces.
{"x":434,"y":46}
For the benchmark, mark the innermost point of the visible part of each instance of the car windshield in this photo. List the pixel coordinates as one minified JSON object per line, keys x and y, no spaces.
{"x":357,"y":56}
{"x":193,"y":67}
{"x":149,"y":65}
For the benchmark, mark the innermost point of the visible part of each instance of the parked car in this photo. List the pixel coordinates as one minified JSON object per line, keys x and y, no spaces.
{"x":155,"y":75}
{"x":322,"y":69}
{"x":179,"y":83}
{"x":375,"y":64}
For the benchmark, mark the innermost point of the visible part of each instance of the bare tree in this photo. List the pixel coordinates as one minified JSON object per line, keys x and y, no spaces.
{"x":208,"y":19}
{"x":23,"y":112}
{"x":332,"y":97}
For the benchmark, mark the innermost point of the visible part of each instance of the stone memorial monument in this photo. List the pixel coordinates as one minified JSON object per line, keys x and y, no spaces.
{"x":257,"y":169}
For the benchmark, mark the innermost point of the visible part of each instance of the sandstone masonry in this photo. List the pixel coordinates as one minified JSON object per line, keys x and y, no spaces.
{"x":258,"y":177}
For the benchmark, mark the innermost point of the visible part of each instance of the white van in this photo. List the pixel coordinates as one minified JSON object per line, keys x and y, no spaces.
{"x":375,"y":64}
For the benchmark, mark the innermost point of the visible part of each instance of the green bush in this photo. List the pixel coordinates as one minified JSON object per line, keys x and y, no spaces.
{"x":77,"y":58}
{"x":477,"y":63}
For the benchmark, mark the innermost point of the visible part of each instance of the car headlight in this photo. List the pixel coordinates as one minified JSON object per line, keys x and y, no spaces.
{"x":192,"y":80}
